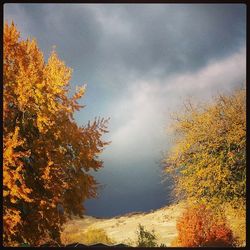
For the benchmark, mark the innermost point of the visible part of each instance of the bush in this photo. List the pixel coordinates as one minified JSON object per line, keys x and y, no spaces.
{"x":199,"y":227}
{"x":93,"y":236}
{"x":89,"y":237}
{"x":146,"y":238}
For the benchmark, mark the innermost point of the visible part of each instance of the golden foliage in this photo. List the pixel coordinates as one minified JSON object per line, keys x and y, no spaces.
{"x":46,"y":154}
{"x":11,"y":221}
{"x":208,"y":159}
{"x":13,"y":181}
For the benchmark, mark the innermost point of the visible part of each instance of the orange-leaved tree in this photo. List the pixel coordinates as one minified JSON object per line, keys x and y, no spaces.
{"x":46,"y":155}
{"x":199,"y":227}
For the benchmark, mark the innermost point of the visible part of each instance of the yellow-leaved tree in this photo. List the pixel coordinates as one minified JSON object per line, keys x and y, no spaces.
{"x":46,"y":155}
{"x":208,"y":158}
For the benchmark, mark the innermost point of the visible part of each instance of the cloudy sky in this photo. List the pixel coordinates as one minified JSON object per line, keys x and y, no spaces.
{"x":140,"y":62}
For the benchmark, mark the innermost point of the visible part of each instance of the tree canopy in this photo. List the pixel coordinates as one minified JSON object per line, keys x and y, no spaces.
{"x":208,"y":159}
{"x":46,"y":155}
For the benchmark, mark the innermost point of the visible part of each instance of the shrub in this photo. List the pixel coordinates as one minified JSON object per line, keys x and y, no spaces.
{"x":93,"y":236}
{"x":89,"y":237}
{"x":219,"y":235}
{"x":199,"y":226}
{"x":146,"y":238}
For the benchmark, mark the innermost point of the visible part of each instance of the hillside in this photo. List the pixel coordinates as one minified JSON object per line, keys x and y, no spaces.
{"x":122,"y":229}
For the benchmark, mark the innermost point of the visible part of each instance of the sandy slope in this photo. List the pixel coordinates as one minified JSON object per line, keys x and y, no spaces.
{"x":122,"y":229}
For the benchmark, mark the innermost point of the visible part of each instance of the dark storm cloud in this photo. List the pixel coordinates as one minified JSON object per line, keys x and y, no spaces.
{"x":176,"y":38}
{"x":142,"y":40}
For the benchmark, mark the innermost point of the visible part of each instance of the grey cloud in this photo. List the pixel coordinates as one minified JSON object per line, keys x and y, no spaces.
{"x":175,"y":38}
{"x":147,"y":40}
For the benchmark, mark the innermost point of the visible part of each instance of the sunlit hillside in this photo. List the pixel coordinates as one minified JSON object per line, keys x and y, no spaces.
{"x":122,"y":229}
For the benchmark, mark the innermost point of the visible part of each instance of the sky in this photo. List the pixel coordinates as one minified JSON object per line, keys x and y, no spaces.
{"x":140,"y":63}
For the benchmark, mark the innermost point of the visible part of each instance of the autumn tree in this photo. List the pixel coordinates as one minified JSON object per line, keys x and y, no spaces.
{"x":208,"y":159}
{"x":199,"y":227}
{"x":46,"y":155}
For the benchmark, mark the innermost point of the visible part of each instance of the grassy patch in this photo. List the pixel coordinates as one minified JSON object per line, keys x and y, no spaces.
{"x":89,"y":237}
